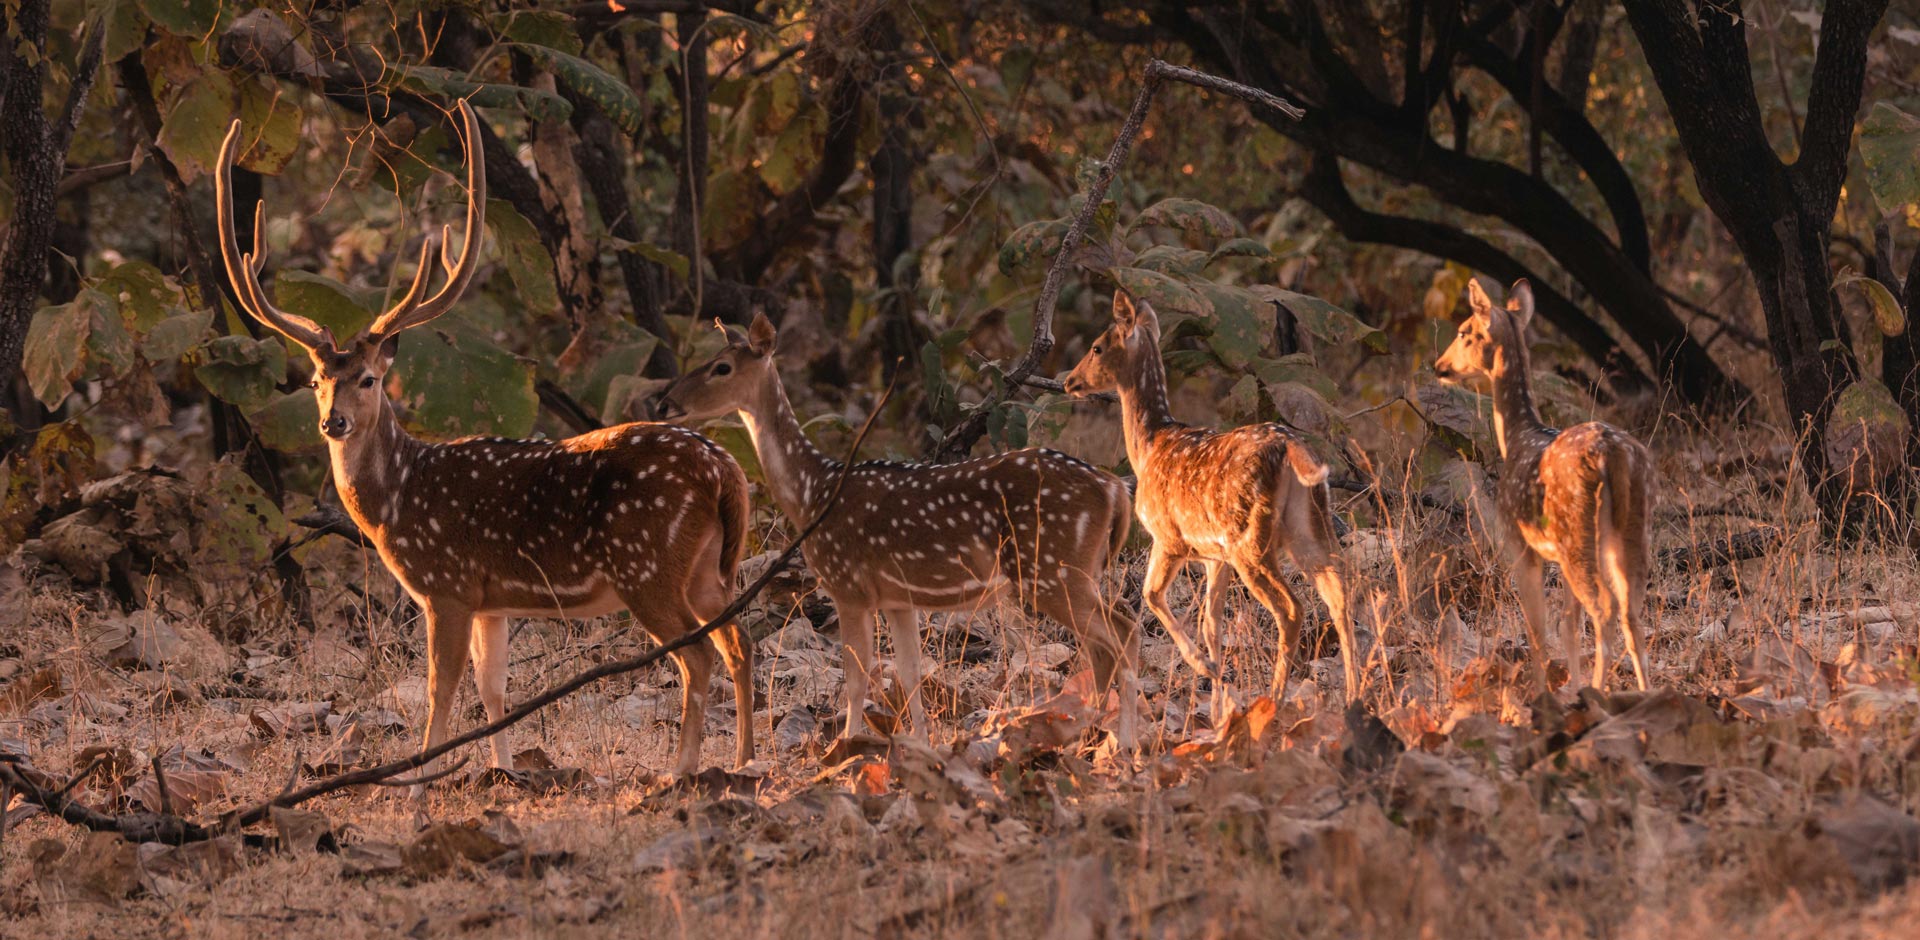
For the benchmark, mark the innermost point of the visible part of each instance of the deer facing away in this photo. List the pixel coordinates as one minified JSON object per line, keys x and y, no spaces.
{"x":1234,"y":499}
{"x":649,"y":518}
{"x":1036,"y":525}
{"x":1580,"y":497}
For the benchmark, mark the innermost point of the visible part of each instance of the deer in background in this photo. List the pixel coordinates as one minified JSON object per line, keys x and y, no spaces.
{"x":1580,"y":497}
{"x":649,"y":518}
{"x":1035,"y":524}
{"x":1234,"y":499}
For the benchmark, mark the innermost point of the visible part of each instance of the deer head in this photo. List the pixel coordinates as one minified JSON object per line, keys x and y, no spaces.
{"x":733,"y":380}
{"x":347,"y":379}
{"x":1492,"y":342}
{"x":1115,"y":359}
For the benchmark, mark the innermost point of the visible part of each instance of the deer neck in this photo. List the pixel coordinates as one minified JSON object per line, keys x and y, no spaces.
{"x":1143,"y":406}
{"x":370,"y":470}
{"x":797,"y":472}
{"x":1514,"y":416}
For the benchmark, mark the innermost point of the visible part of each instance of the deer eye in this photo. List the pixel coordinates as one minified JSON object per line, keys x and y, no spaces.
{"x":721,"y":368}
{"x":367,"y":382}
{"x":1096,"y":349}
{"x":313,"y":383}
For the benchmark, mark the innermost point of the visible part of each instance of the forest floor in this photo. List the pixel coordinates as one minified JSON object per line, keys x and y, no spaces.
{"x":1769,"y":785}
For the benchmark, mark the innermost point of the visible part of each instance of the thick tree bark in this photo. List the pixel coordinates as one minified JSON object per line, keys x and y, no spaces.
{"x":36,"y":152}
{"x":1778,"y":214}
{"x":690,"y":195}
{"x":892,"y":167}
{"x":599,"y":157}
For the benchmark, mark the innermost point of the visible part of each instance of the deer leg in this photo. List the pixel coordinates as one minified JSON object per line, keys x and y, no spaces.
{"x":1572,"y":618}
{"x":1271,"y":590}
{"x":488,"y":648}
{"x":1582,"y":575}
{"x":1318,"y":562}
{"x":696,"y":675}
{"x":448,"y":626}
{"x":1529,"y":579}
{"x":1630,"y":598}
{"x":904,"y":626}
{"x":1219,"y":580}
{"x":1161,"y":567}
{"x":1110,"y":639}
{"x":736,"y":652}
{"x":856,"y":659}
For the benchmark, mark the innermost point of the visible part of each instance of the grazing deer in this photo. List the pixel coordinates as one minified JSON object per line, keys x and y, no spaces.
{"x":649,"y":518}
{"x":1580,"y":497}
{"x":1237,"y":499}
{"x":1036,"y":524}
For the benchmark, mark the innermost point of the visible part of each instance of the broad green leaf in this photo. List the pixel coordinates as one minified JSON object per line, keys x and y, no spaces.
{"x":1298,"y":368}
{"x":1192,"y":216}
{"x":108,"y":345}
{"x":673,"y":261}
{"x":1303,"y":407}
{"x":1239,"y":248}
{"x":454,"y":383}
{"x":525,"y":257}
{"x":1169,"y":297}
{"x":550,"y":28}
{"x":269,"y":128}
{"x":341,"y":309}
{"x":541,"y":105}
{"x":1241,"y":322}
{"x":146,"y":296}
{"x":240,"y":526}
{"x":172,"y":337}
{"x":196,"y":123}
{"x":55,"y":348}
{"x":734,"y":439}
{"x":1172,"y":260}
{"x":1031,"y":242}
{"x":188,"y":19}
{"x":1890,"y":147}
{"x":126,"y":29}
{"x":621,"y":351}
{"x":1325,"y":321}
{"x":1462,"y":419}
{"x":289,"y":423}
{"x":241,"y":370}
{"x":589,"y":81}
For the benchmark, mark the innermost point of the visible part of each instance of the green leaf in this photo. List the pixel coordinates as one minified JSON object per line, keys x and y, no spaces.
{"x":526,"y":258}
{"x":541,"y":105}
{"x":188,"y":19}
{"x":146,"y":296}
{"x":1172,"y":260}
{"x":269,"y":129}
{"x":1327,"y":322}
{"x":1890,"y":148}
{"x":1297,"y":368}
{"x":289,"y":423}
{"x":589,"y":81}
{"x":1239,"y":248}
{"x":126,"y":29}
{"x":240,"y":525}
{"x":1169,"y":297}
{"x":108,"y":345}
{"x":1192,"y":216}
{"x":1030,"y":242}
{"x":55,"y":348}
{"x":172,"y":337}
{"x":339,"y":308}
{"x":673,"y":261}
{"x":197,"y":123}
{"x":550,"y":28}
{"x":1462,"y":419}
{"x":733,"y":438}
{"x":1241,"y":322}
{"x":241,"y":370}
{"x":454,"y":383}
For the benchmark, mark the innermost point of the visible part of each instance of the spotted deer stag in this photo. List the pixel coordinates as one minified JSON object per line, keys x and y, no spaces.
{"x":1236,"y":499}
{"x":1582,"y":497}
{"x":1037,"y":526}
{"x":649,"y":518}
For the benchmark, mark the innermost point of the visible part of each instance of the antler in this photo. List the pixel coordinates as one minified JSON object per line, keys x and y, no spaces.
{"x":244,"y":270}
{"x":411,"y":310}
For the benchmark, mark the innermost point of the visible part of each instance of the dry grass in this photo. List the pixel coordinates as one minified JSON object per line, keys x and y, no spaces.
{"x":1746,"y":802}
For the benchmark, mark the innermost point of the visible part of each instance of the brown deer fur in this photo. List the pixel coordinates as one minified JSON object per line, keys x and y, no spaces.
{"x":1237,"y":498}
{"x":1580,"y":497}
{"x":1035,"y":525}
{"x":649,"y":518}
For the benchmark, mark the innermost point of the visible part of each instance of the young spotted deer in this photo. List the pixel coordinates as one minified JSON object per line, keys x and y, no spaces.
{"x":1035,"y":525}
{"x":649,"y":518}
{"x":1582,"y":497}
{"x":1231,"y":499}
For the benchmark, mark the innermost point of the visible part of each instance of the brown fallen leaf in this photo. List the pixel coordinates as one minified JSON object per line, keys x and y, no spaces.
{"x":21,"y":694}
{"x":293,"y":718}
{"x":302,"y":831}
{"x":167,"y":870}
{"x":446,"y":846}
{"x":1880,"y":844}
{"x":365,"y":859}
{"x":103,"y":870}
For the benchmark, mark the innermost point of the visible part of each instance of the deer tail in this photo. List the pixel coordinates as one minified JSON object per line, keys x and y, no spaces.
{"x":1122,"y":520}
{"x":735,"y":508}
{"x":1306,"y":467}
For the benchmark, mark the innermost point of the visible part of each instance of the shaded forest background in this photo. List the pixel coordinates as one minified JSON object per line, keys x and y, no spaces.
{"x":1716,"y":203}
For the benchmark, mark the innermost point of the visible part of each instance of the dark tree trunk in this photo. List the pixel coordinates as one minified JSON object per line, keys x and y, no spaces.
{"x":892,"y":167}
{"x":36,"y":153}
{"x":690,"y":195}
{"x":598,"y":155}
{"x":1779,"y":214}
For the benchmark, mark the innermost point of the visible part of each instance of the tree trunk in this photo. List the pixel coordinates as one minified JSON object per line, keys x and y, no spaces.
{"x":892,"y":167}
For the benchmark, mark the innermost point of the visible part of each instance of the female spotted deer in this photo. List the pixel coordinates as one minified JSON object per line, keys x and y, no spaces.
{"x":646,"y":517}
{"x":1580,"y":497}
{"x":1035,"y":523}
{"x":1236,"y":499}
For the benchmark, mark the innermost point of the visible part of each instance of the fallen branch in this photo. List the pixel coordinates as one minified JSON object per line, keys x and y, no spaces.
{"x":957,"y":443}
{"x":1747,"y":545}
{"x":174,"y":830}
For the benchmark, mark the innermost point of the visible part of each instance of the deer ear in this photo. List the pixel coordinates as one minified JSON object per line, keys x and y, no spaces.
{"x":760,"y":335}
{"x":1477,"y":298}
{"x":389,"y":348}
{"x":1123,"y":310}
{"x":1520,"y":304}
